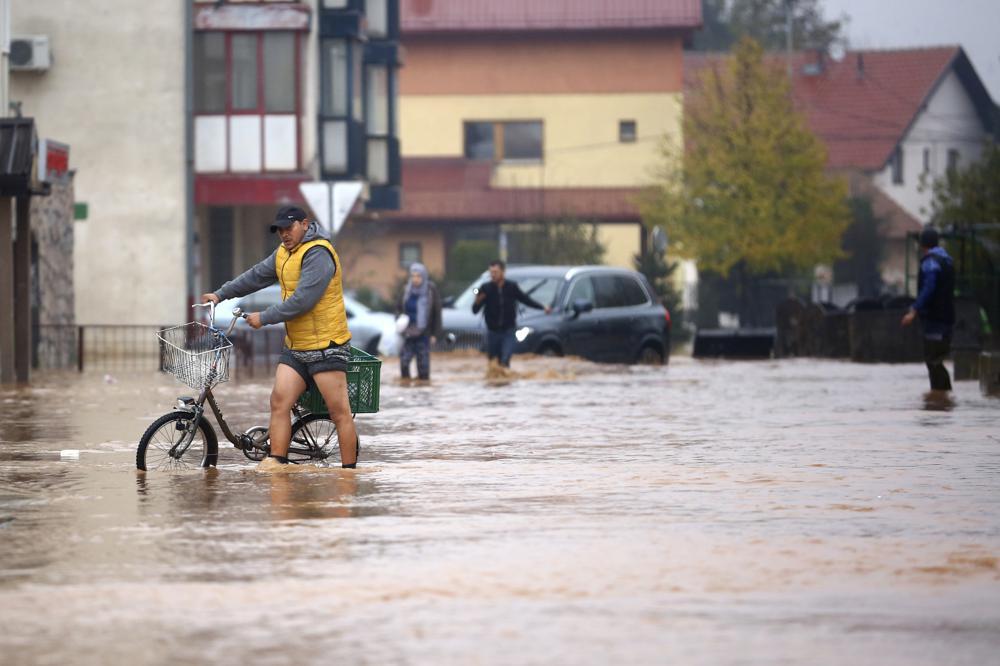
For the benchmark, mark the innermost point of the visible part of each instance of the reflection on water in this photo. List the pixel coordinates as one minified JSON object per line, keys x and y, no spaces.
{"x":708,"y":512}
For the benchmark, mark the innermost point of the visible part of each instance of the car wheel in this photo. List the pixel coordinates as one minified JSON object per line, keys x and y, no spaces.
{"x":650,"y":355}
{"x":550,"y":349}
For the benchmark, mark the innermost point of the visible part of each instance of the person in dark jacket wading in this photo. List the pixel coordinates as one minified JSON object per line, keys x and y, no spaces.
{"x":500,"y":297}
{"x":935,"y":305}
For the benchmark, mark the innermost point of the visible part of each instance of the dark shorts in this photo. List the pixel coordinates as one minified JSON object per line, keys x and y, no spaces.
{"x":308,"y":363}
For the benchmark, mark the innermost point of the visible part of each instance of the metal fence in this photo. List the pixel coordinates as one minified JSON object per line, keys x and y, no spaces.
{"x":113,"y":347}
{"x":131,"y":348}
{"x":122,"y":348}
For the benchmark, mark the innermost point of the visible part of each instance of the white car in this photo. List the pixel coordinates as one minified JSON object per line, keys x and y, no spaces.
{"x":374,"y":332}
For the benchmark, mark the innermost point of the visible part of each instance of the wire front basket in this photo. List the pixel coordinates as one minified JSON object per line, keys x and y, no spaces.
{"x":195,"y":354}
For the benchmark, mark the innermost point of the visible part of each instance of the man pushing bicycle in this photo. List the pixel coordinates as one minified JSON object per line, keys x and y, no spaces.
{"x":317,"y":339}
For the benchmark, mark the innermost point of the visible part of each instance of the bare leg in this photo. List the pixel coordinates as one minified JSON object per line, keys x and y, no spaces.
{"x":333,"y":386}
{"x":288,"y":386}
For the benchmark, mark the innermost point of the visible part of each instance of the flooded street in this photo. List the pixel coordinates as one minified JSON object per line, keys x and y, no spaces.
{"x":702,"y":513}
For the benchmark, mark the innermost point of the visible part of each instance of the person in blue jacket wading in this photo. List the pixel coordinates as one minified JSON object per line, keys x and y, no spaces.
{"x":935,"y":305}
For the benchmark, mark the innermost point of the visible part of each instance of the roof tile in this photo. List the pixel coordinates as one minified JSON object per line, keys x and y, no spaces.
{"x":453,"y":16}
{"x":861,"y":106}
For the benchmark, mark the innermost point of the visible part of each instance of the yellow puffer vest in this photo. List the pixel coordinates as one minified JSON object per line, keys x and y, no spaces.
{"x":327,"y":321}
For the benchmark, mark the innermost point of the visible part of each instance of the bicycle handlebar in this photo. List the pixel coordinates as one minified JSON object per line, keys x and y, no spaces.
{"x":211,"y":306}
{"x":237,"y":313}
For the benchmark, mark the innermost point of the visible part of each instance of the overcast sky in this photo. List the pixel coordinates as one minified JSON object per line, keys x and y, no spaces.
{"x":972,"y":24}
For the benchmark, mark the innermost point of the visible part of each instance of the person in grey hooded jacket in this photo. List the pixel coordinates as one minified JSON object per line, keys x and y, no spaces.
{"x":421,"y":303}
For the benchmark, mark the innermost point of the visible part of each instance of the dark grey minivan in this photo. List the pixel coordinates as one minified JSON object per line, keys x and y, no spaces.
{"x":598,"y":312}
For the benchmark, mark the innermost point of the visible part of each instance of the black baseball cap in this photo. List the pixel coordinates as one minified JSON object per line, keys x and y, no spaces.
{"x":286,"y":215}
{"x":929,"y":237}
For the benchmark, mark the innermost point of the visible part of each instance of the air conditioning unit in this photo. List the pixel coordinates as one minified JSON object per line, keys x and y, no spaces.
{"x":29,"y":53}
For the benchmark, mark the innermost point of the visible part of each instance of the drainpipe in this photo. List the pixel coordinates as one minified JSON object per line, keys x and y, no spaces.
{"x":189,"y":154}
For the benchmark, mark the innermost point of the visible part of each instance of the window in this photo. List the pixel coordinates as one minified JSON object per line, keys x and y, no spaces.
{"x":479,"y":141}
{"x":953,"y":157}
{"x":279,"y":59}
{"x":246,"y":88}
{"x":630,"y":292}
{"x":378,"y":161}
{"x":335,"y":92}
{"x":226,"y":76}
{"x":336,"y":103}
{"x":607,"y":292}
{"x":897,"y":166}
{"x":244,"y":76}
{"x":357,"y":101}
{"x":210,"y":72}
{"x":522,"y":141}
{"x":335,"y":146}
{"x":499,"y":141}
{"x":377,"y":116}
{"x":377,"y":124}
{"x":376,"y":13}
{"x":626,"y":131}
{"x":582,"y":290}
{"x":927,"y":160}
{"x":409,"y":253}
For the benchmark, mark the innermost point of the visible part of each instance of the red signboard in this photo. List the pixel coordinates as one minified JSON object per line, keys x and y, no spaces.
{"x":53,"y":160}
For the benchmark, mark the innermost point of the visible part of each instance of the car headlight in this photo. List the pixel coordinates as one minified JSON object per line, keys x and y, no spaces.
{"x":522,"y":333}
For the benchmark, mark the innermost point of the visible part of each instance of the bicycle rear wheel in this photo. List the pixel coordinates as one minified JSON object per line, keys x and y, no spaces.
{"x":314,"y":437}
{"x":156,"y":448}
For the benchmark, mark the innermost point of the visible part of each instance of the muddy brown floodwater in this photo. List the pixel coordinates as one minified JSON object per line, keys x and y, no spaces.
{"x":704,"y":513}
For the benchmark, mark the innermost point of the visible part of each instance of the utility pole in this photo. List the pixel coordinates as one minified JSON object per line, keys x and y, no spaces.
{"x":6,"y":222}
{"x":4,"y":58}
{"x":788,"y":38}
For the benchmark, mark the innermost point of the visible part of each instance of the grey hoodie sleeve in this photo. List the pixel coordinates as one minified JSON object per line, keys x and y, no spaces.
{"x":317,"y":271}
{"x":257,"y":277}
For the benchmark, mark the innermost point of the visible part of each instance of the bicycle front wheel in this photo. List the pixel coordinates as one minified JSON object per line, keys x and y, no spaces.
{"x":314,"y":437}
{"x":159,"y":450}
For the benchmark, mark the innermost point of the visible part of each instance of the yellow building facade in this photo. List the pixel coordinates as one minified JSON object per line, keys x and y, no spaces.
{"x":502,"y":125}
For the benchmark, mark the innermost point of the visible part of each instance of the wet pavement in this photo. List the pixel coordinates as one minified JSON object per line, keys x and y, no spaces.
{"x":703,"y":513}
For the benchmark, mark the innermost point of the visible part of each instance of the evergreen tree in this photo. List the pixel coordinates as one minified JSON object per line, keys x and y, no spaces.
{"x":970,"y":195}
{"x":724,"y":24}
{"x":748,"y":192}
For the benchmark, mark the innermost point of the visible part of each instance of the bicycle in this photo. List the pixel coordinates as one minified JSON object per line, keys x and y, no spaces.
{"x":198,"y":355}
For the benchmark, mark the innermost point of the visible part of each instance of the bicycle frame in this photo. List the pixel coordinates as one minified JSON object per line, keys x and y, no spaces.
{"x":197,"y":407}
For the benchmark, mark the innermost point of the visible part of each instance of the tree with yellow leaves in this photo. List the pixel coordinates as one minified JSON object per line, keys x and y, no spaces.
{"x":745,"y":193}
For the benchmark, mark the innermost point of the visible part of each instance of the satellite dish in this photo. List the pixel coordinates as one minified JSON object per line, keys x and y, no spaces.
{"x":837,"y":52}
{"x":659,"y":240}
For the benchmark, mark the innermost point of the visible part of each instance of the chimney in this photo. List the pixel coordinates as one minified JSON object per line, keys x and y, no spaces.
{"x":861,"y":67}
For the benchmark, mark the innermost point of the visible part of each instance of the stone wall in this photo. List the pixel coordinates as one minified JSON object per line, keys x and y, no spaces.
{"x":52,"y":226}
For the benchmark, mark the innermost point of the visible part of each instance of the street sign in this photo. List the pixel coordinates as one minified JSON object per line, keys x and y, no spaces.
{"x":331,"y":202}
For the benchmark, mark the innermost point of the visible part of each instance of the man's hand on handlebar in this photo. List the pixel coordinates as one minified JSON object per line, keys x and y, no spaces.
{"x":254,"y":320}
{"x":209,"y":298}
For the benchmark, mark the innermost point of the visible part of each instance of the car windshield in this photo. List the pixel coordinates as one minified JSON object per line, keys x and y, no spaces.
{"x":542,"y":289}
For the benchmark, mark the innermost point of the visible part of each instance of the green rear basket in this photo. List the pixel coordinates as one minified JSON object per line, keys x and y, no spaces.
{"x":363,"y":376}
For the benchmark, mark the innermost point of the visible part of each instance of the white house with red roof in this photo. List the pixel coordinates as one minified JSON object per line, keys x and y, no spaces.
{"x":893,"y":121}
